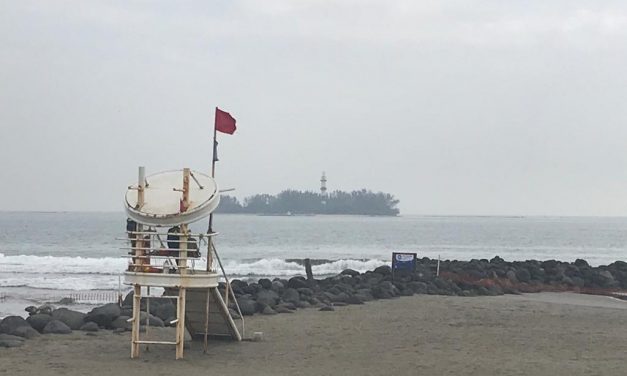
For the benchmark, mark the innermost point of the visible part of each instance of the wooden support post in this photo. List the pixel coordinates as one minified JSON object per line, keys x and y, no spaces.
{"x":135,"y":327}
{"x":180,"y":324}
{"x":205,"y":343}
{"x":182,"y":262}
{"x":308,"y":271}
{"x":147,"y":314}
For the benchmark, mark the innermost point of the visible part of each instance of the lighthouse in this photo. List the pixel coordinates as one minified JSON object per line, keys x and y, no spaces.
{"x":323,"y":184}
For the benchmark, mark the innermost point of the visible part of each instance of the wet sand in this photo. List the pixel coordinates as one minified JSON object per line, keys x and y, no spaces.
{"x":536,"y":334}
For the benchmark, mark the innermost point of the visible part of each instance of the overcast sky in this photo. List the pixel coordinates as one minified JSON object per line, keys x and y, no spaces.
{"x":456,"y":107}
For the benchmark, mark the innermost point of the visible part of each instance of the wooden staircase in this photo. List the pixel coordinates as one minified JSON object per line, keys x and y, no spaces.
{"x":221,"y":324}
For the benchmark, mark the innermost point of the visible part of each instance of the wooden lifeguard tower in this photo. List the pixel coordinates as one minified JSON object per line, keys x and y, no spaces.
{"x":163,"y":252}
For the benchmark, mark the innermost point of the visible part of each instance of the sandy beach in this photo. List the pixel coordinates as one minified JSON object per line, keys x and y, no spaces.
{"x":531,"y":334}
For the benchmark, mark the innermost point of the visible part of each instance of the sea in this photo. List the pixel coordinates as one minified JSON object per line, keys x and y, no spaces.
{"x":48,"y":256}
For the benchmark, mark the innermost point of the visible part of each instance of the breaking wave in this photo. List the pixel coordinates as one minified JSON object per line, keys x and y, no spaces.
{"x":83,"y":273}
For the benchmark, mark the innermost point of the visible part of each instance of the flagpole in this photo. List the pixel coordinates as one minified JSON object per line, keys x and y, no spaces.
{"x":213,"y":175}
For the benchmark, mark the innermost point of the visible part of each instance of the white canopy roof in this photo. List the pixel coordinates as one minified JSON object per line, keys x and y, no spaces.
{"x":162,"y":202}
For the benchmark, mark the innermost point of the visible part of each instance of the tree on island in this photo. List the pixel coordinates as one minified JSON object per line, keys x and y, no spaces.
{"x":363,"y":202}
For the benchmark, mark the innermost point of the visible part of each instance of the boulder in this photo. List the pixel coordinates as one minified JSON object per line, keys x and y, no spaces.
{"x":103,"y":316}
{"x":327,"y":308}
{"x":10,"y":323}
{"x":46,"y":309}
{"x":25,"y":332}
{"x":234,"y":314}
{"x":73,"y":319}
{"x":418,"y":287}
{"x":282,"y":309}
{"x":267,"y":297}
{"x":38,"y":321}
{"x":581,"y":263}
{"x":164,"y":311}
{"x":354,"y":299}
{"x":291,"y":295}
{"x":247,"y":306}
{"x":66,"y":301}
{"x":350,"y":272}
{"x":523,"y":275}
{"x":121,"y":324}
{"x":303,"y":304}
{"x":31,"y":310}
{"x":305,"y":291}
{"x":56,"y":327}
{"x":384,"y":270}
{"x":89,"y":327}
{"x":268,"y":311}
{"x":128,"y":299}
{"x":152,"y":320}
{"x":278,"y":287}
{"x":297,"y":282}
{"x":265,"y":283}
{"x":511,"y":276}
{"x":7,"y":340}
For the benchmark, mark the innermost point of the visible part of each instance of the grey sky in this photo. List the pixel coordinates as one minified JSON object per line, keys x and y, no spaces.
{"x":456,"y":107}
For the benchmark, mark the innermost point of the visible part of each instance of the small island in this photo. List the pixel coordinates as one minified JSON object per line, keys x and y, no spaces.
{"x":294,"y":202}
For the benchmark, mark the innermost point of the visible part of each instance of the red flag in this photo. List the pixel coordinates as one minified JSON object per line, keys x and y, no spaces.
{"x":225,"y":123}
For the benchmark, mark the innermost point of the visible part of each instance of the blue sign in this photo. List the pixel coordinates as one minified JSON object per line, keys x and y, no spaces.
{"x":403,"y":263}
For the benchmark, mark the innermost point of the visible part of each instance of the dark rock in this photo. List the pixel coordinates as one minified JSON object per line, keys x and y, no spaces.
{"x":482,"y":291}
{"x":103,"y":316}
{"x":523,"y":275}
{"x":354,"y":299}
{"x":7,"y":340}
{"x":10,"y":323}
{"x":38,"y":321}
{"x":303,"y":304}
{"x":363,"y":297}
{"x":265,"y":283}
{"x":497,"y":260}
{"x":327,"y":308}
{"x":31,"y":310}
{"x":66,"y":301}
{"x":247,"y":306}
{"x":234,"y":314}
{"x":278,"y":287}
{"x":305,"y":291}
{"x":25,"y":332}
{"x":495,"y":290}
{"x":267,"y":297}
{"x":56,"y":327}
{"x":152,"y":320}
{"x":128,"y":299}
{"x":418,"y":287}
{"x":297,"y":282}
{"x":282,"y":309}
{"x":350,"y":272}
{"x":291,"y":295}
{"x":384,"y":270}
{"x":380,"y":293}
{"x":89,"y":327}
{"x":268,"y":311}
{"x":121,"y":323}
{"x":581,"y":263}
{"x":407,"y":292}
{"x":73,"y":319}
{"x":46,"y":309}
{"x":164,"y":311}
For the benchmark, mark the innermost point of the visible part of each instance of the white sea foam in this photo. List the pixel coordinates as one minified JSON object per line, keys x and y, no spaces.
{"x":278,"y":267}
{"x":81,"y":273}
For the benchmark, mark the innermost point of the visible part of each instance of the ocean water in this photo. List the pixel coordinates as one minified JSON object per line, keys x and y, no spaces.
{"x":47,"y":256}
